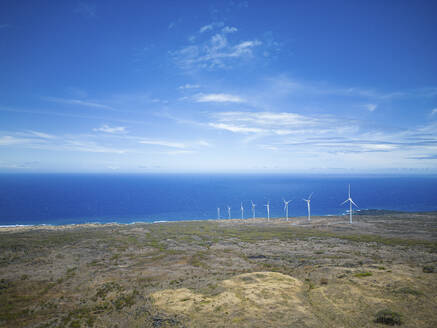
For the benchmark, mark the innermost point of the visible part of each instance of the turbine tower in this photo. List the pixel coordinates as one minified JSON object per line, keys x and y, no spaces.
{"x":286,"y":207}
{"x":242,"y":211}
{"x":268,"y":210}
{"x":229,"y":212}
{"x":349,"y":199}
{"x":253,"y":209}
{"x":309,"y":206}
{"x":218,"y":213}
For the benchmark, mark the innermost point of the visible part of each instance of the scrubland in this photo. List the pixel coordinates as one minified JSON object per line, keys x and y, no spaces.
{"x":231,"y":273}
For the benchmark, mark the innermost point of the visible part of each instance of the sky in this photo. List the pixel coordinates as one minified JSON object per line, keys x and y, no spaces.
{"x":218,"y":86}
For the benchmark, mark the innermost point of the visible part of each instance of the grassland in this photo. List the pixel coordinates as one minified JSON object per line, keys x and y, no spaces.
{"x":379,"y":271}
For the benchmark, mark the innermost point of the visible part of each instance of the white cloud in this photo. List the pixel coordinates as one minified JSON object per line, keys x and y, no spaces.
{"x":236,"y":128}
{"x":44,"y":141}
{"x":215,"y":51}
{"x":371,"y":107}
{"x":108,"y":129}
{"x":164,"y":143}
{"x":89,"y":146}
{"x":229,"y":29}
{"x":272,"y":119}
{"x":210,"y":27}
{"x":180,"y":152}
{"x":244,"y":48}
{"x":218,"y":97}
{"x":378,"y":146}
{"x":37,"y":134}
{"x":203,"y":143}
{"x":78,"y":102}
{"x":10,"y":140}
{"x":434,"y":112}
{"x":279,"y":125}
{"x":205,"y":28}
{"x":189,"y":86}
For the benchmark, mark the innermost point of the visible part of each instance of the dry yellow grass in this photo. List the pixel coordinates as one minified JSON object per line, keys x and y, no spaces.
{"x":250,"y":299}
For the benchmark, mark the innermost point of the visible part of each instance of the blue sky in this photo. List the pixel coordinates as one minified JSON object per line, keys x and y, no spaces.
{"x":218,"y":86}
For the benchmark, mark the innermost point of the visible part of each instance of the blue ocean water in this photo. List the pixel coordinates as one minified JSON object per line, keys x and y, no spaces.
{"x":78,"y":198}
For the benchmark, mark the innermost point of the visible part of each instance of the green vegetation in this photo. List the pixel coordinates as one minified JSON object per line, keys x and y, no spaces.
{"x":408,"y":291}
{"x":362,"y":274}
{"x":388,"y":317}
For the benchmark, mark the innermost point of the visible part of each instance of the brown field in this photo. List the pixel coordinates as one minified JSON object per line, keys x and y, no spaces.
{"x":228,"y":273}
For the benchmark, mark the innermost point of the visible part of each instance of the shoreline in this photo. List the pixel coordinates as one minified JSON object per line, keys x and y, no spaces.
{"x":296,"y":219}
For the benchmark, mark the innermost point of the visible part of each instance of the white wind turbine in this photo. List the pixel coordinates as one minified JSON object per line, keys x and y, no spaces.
{"x":268,"y":210}
{"x":242,"y":211}
{"x":253,"y":209}
{"x":218,"y":213}
{"x":286,"y":207}
{"x":309,"y":206}
{"x":349,"y":199}
{"x":229,"y":212}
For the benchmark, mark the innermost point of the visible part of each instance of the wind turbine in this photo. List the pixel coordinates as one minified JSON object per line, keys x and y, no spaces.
{"x":253,"y":209}
{"x":349,"y":199}
{"x":242,"y":211}
{"x":218,"y":213}
{"x":229,"y":212}
{"x":309,"y":206}
{"x":268,"y":210}
{"x":286,"y":207}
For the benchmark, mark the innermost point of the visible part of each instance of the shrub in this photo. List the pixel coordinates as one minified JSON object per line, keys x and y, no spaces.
{"x":408,"y":290}
{"x":363,"y":274}
{"x":428,"y":269}
{"x":388,"y":317}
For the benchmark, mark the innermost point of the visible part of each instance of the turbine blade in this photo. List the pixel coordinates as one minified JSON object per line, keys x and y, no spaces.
{"x":345,"y":201}
{"x":310,"y":196}
{"x":354,"y":203}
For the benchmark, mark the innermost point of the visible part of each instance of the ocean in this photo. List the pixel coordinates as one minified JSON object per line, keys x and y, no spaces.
{"x":31,"y":199}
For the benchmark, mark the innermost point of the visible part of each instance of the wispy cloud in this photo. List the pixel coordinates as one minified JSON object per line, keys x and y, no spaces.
{"x":39,"y":134}
{"x":324,"y":134}
{"x":110,"y":129}
{"x":229,"y":29}
{"x":45,"y":141}
{"x":218,"y":97}
{"x":210,"y":27}
{"x":371,"y":107}
{"x":164,"y":143}
{"x":186,"y":146}
{"x":18,"y":165}
{"x":180,"y":152}
{"x":237,"y":128}
{"x":189,"y":86}
{"x":216,"y":51}
{"x":78,"y":102}
{"x":274,"y":121}
{"x":434,"y":112}
{"x":91,"y":147}
{"x":11,"y":140}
